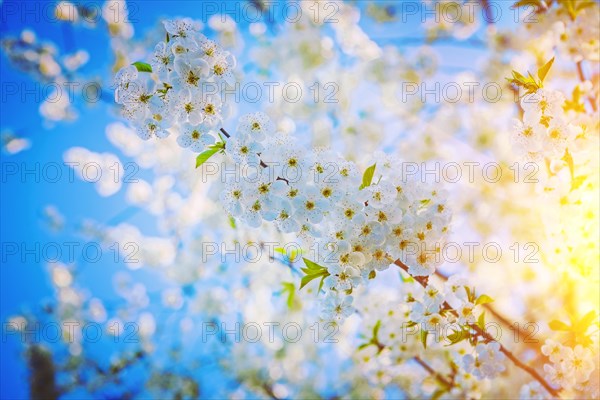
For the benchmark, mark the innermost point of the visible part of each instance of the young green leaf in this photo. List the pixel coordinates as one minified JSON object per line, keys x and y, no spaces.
{"x":584,"y":323}
{"x":556,"y":325}
{"x":458,"y":336}
{"x":308,"y":278}
{"x":313,"y":266}
{"x":438,"y":394}
{"x":423,"y":335}
{"x":212,"y":150}
{"x":542,"y":72}
{"x":142,"y":66}
{"x":481,"y":321}
{"x":376,"y":329}
{"x":289,"y":288}
{"x":484,"y":299}
{"x":368,"y":177}
{"x":313,"y":271}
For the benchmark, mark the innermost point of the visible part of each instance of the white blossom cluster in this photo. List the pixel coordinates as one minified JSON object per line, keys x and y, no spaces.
{"x":182,"y":93}
{"x":571,"y":367}
{"x":545,"y":129}
{"x":352,"y":231}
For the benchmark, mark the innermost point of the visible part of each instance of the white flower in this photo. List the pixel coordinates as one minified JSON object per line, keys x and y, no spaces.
{"x":533,"y":391}
{"x":186,"y":107}
{"x":195,"y":137}
{"x":188,"y":73}
{"x":342,"y":277}
{"x":381,"y":194}
{"x":487,"y":363}
{"x":554,"y":350}
{"x":310,"y":205}
{"x":337,"y":307}
{"x":244,"y":151}
{"x":184,"y":27}
{"x":162,"y":60}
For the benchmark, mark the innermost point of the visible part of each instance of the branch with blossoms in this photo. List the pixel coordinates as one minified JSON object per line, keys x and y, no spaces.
{"x":356,"y":224}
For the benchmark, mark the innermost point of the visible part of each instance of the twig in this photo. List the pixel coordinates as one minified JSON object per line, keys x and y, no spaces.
{"x":582,"y":78}
{"x":487,"y":336}
{"x":437,"y":375}
{"x":227,"y":135}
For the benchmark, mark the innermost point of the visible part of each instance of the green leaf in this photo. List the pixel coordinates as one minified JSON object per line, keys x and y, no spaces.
{"x":212,"y":150}
{"x":585,"y":322}
{"x":542,"y":72}
{"x":584,"y":4}
{"x":458,"y":336}
{"x":142,"y":66}
{"x":308,"y":278}
{"x":438,"y":394}
{"x":368,"y":177}
{"x":362,"y":346}
{"x":518,"y":76}
{"x":577,"y":182}
{"x":232,"y":222}
{"x":290,"y":289}
{"x":376,"y":329}
{"x":423,"y":335}
{"x":313,"y":266}
{"x":481,"y":321}
{"x":313,"y":271}
{"x":556,"y":325}
{"x":484,"y":299}
{"x":569,"y":160}
{"x":372,"y":274}
{"x":470,"y":294}
{"x":523,"y":3}
{"x":323,"y":281}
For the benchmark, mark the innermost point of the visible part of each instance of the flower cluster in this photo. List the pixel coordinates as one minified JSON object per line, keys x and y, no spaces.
{"x":353,"y":229}
{"x":182,"y":92}
{"x":545,"y":129}
{"x":487,"y":362}
{"x":571,"y":367}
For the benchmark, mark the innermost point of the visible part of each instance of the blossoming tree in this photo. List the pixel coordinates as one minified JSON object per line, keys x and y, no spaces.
{"x":339,"y":222}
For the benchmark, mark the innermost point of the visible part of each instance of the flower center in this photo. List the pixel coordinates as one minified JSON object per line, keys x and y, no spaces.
{"x":264,"y":188}
{"x":192,"y":78}
{"x":219,"y":70}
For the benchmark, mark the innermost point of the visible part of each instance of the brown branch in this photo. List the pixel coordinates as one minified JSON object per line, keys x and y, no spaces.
{"x":505,"y":321}
{"x":431,"y":371}
{"x":591,"y":99}
{"x":423,"y":282}
{"x":225,"y":133}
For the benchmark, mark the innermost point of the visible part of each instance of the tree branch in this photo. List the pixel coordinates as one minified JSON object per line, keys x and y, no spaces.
{"x":435,"y":374}
{"x":423,"y":281}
